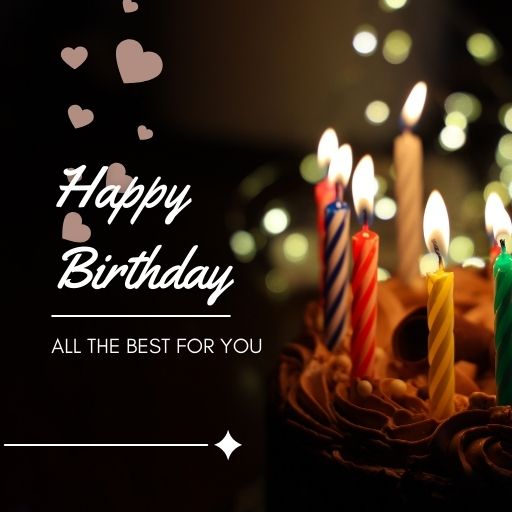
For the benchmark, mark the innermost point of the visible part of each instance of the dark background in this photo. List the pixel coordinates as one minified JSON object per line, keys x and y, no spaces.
{"x":245,"y":86}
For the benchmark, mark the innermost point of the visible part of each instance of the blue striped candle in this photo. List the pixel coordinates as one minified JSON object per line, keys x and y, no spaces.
{"x":337,"y":278}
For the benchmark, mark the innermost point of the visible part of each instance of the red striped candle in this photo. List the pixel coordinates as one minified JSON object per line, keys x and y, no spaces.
{"x":365,"y":252}
{"x":325,"y":194}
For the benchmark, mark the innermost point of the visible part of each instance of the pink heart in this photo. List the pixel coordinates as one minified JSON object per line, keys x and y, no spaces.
{"x":135,"y":65}
{"x":74,"y":57}
{"x":116,"y":175}
{"x":144,"y":133}
{"x":80,"y":117}
{"x":74,"y":230}
{"x":130,"y":6}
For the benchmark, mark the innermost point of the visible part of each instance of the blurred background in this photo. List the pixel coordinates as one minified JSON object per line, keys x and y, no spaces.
{"x":246,"y":91}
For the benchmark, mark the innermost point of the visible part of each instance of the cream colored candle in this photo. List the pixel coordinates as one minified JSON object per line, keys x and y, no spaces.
{"x":408,"y":160}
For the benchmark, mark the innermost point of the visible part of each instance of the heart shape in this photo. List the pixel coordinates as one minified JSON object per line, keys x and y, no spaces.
{"x":80,"y":117}
{"x":74,"y":230}
{"x":116,"y":175}
{"x":144,"y":133}
{"x":74,"y":57}
{"x":130,"y":6}
{"x":134,"y":64}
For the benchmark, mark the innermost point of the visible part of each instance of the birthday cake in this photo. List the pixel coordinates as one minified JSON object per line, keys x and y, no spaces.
{"x":338,"y":441}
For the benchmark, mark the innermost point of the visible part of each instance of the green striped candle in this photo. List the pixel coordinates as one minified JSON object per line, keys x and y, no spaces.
{"x":503,"y":325}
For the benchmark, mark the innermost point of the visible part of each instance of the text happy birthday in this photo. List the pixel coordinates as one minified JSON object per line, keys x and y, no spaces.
{"x":84,"y":269}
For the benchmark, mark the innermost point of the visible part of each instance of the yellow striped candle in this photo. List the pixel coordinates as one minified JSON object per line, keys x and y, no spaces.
{"x":440,"y":311}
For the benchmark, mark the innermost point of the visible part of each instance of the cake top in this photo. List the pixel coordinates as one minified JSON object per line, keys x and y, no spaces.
{"x":382,"y":425}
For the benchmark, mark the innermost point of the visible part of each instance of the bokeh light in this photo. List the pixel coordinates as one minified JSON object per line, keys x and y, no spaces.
{"x":465,"y":103}
{"x":500,"y":189}
{"x":383,"y":274}
{"x":428,"y":263}
{"x":376,"y":112}
{"x":385,"y":208}
{"x":457,"y":119}
{"x":365,"y":40}
{"x":276,"y":282}
{"x":310,"y":170}
{"x":392,"y":5}
{"x":243,"y":245}
{"x":382,"y":186}
{"x":474,"y":262}
{"x":461,"y":248}
{"x":397,"y":46}
{"x":276,"y":220}
{"x":452,"y":138}
{"x":482,"y":47}
{"x":295,"y":247}
{"x":505,"y":116}
{"x":505,"y":147}
{"x":506,"y":175}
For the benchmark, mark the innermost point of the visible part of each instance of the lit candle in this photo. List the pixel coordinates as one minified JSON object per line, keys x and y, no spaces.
{"x":493,"y":204}
{"x":502,"y":227}
{"x":337,"y":264}
{"x":440,"y":311}
{"x":325,"y":190}
{"x":365,"y":252}
{"x":408,"y":160}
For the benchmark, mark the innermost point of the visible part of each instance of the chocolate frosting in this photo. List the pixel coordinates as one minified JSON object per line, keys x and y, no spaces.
{"x":389,"y":432}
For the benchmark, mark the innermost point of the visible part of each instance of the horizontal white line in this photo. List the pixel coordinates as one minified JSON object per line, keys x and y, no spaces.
{"x":32,"y":445}
{"x":141,"y":316}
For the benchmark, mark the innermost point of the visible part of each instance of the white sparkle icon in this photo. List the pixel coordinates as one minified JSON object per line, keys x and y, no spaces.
{"x":228,"y":445}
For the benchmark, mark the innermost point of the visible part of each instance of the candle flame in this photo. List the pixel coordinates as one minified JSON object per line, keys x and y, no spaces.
{"x":327,"y":147}
{"x":436,"y":225}
{"x":497,"y":220}
{"x":363,"y":189}
{"x":414,"y":104}
{"x":492,"y":205}
{"x":341,"y":165}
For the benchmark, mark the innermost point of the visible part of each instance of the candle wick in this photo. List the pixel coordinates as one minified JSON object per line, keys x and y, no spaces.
{"x":438,"y":252}
{"x":502,"y":245}
{"x":365,"y":218}
{"x":339,"y":191}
